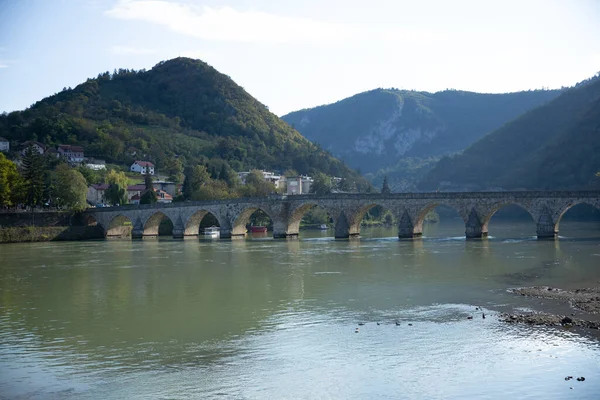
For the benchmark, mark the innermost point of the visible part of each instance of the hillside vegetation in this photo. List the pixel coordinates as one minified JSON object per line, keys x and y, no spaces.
{"x":403,"y":133}
{"x":555,"y":146}
{"x":181,"y":108}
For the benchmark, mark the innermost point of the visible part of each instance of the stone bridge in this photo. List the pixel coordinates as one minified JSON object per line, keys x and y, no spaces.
{"x":346,"y":210}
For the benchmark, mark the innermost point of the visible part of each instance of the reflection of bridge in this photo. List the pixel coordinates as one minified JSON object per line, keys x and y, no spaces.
{"x":346,"y":210}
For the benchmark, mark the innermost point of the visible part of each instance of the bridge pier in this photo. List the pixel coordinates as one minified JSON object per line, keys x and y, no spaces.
{"x":547,"y":231}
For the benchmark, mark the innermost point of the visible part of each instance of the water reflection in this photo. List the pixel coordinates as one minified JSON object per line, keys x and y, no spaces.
{"x":267,"y":318}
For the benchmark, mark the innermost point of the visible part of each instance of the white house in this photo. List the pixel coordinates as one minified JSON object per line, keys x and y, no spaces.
{"x":95,"y":193}
{"x":94,"y":164}
{"x":37,"y":147}
{"x":142,"y":167}
{"x":4,"y":144}
{"x":73,"y":154}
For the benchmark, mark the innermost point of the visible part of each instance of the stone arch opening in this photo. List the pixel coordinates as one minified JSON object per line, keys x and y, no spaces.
{"x":199,"y":221}
{"x":252,"y":220}
{"x":119,"y":226}
{"x":369,"y":219}
{"x":510,"y":220}
{"x":310,"y":218}
{"x":158,"y":224}
{"x":436,"y":220}
{"x":579,"y":220}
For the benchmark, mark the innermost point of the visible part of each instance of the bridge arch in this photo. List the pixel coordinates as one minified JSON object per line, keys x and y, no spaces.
{"x":152,"y":224}
{"x":567,"y":207}
{"x":238,"y":227}
{"x":292,"y":226}
{"x":493,"y":209}
{"x":192,"y":225}
{"x":411,"y":222}
{"x":355,"y":217}
{"x":119,"y":226}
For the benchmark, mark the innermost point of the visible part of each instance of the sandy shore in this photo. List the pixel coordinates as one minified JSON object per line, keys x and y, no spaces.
{"x":585,"y":300}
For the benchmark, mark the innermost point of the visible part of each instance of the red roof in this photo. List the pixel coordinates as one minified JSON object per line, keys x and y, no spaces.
{"x":144,"y":163}
{"x":135,"y":188}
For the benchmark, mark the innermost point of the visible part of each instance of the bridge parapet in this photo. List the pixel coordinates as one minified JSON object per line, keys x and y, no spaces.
{"x":347,"y":211}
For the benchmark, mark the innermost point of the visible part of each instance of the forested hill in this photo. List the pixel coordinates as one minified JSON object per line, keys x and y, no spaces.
{"x":181,"y":107}
{"x":555,"y":146}
{"x":379,"y":128}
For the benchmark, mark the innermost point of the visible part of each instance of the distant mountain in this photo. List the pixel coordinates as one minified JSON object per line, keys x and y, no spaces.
{"x":401,"y":131}
{"x":180,"y":108}
{"x":555,"y":146}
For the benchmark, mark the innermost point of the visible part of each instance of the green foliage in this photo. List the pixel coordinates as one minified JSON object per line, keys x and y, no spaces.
{"x":149,"y":197}
{"x":256,"y":186}
{"x":33,"y":176}
{"x":182,"y":112}
{"x":117,"y":191}
{"x":374,"y":129}
{"x":554,"y":146}
{"x":71,"y":188}
{"x":11,"y":183}
{"x":321,"y":184}
{"x":149,"y":185}
{"x":195,"y":178}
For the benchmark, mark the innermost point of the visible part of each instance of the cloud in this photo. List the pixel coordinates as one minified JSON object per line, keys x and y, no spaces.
{"x":126,"y":50}
{"x":228,"y":24}
{"x":3,"y":65}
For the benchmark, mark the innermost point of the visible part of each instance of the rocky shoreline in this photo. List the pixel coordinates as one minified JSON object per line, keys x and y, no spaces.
{"x":586,"y":300}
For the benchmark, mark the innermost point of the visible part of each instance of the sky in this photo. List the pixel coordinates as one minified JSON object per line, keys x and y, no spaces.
{"x":302,"y":53}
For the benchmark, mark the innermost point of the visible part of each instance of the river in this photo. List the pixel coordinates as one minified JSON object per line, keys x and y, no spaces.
{"x":274,"y":319}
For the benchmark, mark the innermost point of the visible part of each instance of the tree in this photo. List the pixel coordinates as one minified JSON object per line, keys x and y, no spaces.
{"x":116,"y":194}
{"x":321,"y":184}
{"x":229,"y":176}
{"x":10,"y":182}
{"x":195,"y":178}
{"x":71,"y":188}
{"x":174,"y":169}
{"x":117,"y":191}
{"x":148,"y":182}
{"x":90,"y":175}
{"x":256,"y":185}
{"x":385,"y":188}
{"x":33,"y":176}
{"x":149,"y":197}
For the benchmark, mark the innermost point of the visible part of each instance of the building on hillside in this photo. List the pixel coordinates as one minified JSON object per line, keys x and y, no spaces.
{"x":142,"y":167}
{"x":95,"y":193}
{"x":132,"y":190}
{"x":96,"y":165}
{"x":37,"y":147}
{"x":169,"y":187}
{"x":268,"y":176}
{"x":72,"y":154}
{"x":4,"y":144}
{"x":297,"y":184}
{"x":161,"y":197}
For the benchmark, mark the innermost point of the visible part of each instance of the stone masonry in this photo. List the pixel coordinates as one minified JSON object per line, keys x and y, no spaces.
{"x":346,"y":210}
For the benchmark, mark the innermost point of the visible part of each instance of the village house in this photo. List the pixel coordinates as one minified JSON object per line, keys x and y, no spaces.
{"x":297,"y":184}
{"x":4,"y":144}
{"x":142,"y":167}
{"x":162,"y":197}
{"x":133,"y":190}
{"x":96,"y":165}
{"x":95,"y":193}
{"x":169,"y":187}
{"x":72,"y":154}
{"x":37,"y":147}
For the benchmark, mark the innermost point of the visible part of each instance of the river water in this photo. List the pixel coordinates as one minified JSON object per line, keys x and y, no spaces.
{"x":274,"y":319}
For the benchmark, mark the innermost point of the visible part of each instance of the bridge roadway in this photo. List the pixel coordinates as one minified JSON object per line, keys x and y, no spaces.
{"x":347,"y":210}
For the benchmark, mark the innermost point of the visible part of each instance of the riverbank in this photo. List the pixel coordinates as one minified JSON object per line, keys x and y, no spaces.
{"x":48,"y":233}
{"x":586,"y":300}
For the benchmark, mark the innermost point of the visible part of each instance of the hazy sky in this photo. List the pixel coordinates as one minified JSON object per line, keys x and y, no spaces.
{"x":302,"y":53}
